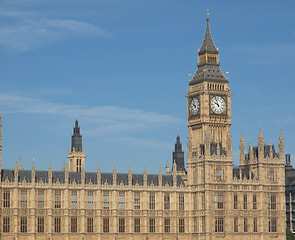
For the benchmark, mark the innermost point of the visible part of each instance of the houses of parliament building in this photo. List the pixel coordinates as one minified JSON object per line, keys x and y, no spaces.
{"x":206,"y":199}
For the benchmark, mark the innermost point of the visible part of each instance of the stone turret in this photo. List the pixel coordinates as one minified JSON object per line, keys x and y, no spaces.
{"x":160,"y":177}
{"x":83,"y":176}
{"x":98,"y":176}
{"x":145,"y":177}
{"x":251,"y":152}
{"x":281,"y":146}
{"x":50,"y":174}
{"x":260,"y":146}
{"x":114,"y":176}
{"x":20,"y":167}
{"x":16,"y":173}
{"x":33,"y":172}
{"x":242,"y":150}
{"x":129,"y":176}
{"x":167,"y":168}
{"x":67,"y":176}
{"x":174,"y":174}
{"x":271,"y":150}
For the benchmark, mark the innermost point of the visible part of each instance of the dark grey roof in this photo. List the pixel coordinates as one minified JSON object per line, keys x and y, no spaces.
{"x":246,"y":173}
{"x":42,"y":175}
{"x":210,"y":73}
{"x":290,"y":181}
{"x":75,"y":177}
{"x":24,"y":175}
{"x":107,"y":177}
{"x":7,"y":174}
{"x":213,"y":149}
{"x":208,"y":43}
{"x":289,"y":175}
{"x":122,"y":178}
{"x":137,"y":179}
{"x":266,"y":152}
{"x":59,"y":176}
{"x":91,"y":177}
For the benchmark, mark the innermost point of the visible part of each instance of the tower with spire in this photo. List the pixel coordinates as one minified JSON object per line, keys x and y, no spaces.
{"x":76,"y":154}
{"x":209,"y":154}
{"x":208,"y":115}
{"x":76,"y":138}
{"x":209,"y":96}
{"x":178,"y":157}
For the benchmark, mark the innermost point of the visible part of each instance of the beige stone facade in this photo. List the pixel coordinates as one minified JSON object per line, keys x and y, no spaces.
{"x":212,"y":200}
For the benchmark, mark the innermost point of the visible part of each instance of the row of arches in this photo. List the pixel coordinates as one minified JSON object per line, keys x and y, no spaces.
{"x":214,"y":86}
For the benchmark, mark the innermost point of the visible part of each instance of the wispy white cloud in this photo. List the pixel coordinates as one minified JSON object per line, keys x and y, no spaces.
{"x":31,"y":34}
{"x":99,"y":118}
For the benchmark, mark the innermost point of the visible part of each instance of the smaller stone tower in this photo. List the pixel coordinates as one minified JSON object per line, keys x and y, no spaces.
{"x":76,"y":155}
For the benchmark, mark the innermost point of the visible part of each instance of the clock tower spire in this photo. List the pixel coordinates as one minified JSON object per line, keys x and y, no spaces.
{"x":209,"y":96}
{"x":209,"y":148}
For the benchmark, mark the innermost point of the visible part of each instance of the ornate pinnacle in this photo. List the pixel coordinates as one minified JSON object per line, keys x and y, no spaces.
{"x":281,"y":138}
{"x":160,"y":170}
{"x":242,"y":138}
{"x":129,"y":171}
{"x":114,"y":171}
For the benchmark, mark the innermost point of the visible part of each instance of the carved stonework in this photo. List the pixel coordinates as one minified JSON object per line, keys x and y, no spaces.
{"x":90,"y":212}
{"x":57,"y":212}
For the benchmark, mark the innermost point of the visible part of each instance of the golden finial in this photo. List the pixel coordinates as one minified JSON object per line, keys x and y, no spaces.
{"x":189,"y":75}
{"x":208,"y":14}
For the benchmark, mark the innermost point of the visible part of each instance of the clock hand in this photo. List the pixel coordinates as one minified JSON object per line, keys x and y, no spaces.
{"x":217,"y":103}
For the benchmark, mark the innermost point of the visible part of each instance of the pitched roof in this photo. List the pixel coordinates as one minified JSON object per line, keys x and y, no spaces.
{"x":208,"y":43}
{"x":59,"y":176}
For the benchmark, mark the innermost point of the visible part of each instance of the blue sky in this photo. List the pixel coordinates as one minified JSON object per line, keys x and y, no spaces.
{"x":122,"y":67}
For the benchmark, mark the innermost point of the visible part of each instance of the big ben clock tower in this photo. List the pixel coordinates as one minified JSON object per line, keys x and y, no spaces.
{"x":209,"y":97}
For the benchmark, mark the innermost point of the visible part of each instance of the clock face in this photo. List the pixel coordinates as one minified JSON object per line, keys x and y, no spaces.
{"x":195,"y":105}
{"x":218,"y":105}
